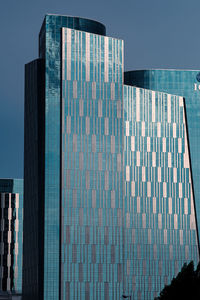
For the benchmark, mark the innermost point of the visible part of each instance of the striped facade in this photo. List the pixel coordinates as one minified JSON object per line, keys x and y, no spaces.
{"x":11,"y":231}
{"x":114,"y":204}
{"x":160,"y":226}
{"x":184,"y":83}
{"x":92,"y":197}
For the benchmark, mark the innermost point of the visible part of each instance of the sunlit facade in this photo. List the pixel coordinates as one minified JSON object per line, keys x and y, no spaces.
{"x":108,"y":188}
{"x":160,"y":226}
{"x":185,"y":83}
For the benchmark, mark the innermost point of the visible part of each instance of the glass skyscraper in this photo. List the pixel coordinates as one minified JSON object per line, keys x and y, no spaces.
{"x":11,"y":231}
{"x":160,"y":224}
{"x":109,"y":207}
{"x":185,"y":83}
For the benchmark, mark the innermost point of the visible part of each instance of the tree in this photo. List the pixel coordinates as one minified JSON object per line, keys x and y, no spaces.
{"x":186,"y":285}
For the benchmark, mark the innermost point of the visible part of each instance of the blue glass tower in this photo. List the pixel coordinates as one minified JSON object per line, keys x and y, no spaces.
{"x":160,"y":226}
{"x":73,"y":163}
{"x":92,"y":198}
{"x":108,"y":198}
{"x":11,"y":204}
{"x":184,"y":83}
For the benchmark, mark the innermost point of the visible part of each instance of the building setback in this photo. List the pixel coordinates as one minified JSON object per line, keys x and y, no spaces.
{"x":108,"y":206}
{"x":11,"y":218}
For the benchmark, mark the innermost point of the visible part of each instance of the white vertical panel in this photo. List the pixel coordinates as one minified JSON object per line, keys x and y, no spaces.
{"x":185,"y":206}
{"x":143,"y":174}
{"x":158,"y":129}
{"x":171,"y":251}
{"x":9,"y":234}
{"x":87,"y":125}
{"x":186,"y":160}
{"x":164,"y":189}
{"x":138,"y":204}
{"x":93,"y":143}
{"x":80,"y":107}
{"x":148,"y":189}
{"x":180,"y":101}
{"x":170,"y":205}
{"x":87,"y":180}
{"x":68,"y":54}
{"x":112,"y":90}
{"x":132,"y":143}
{"x":137,"y":104}
{"x":154,"y":205}
{"x":137,"y":158}
{"x":127,"y":128}
{"x":16,"y":248}
{"x":112,"y":144}
{"x":63,"y":53}
{"x":8,"y":282}
{"x":169,"y":159}
{"x":186,"y":154}
{"x":192,"y":202}
{"x":93,"y":90}
{"x":74,"y":142}
{"x":153,"y":159}
{"x":106,"y":126}
{"x":74,"y":89}
{"x":16,"y":225}
{"x":175,"y":221}
{"x":149,"y":236}
{"x":112,"y":199}
{"x":127,"y":220}
{"x":180,"y":188}
{"x":153,"y":107}
{"x":174,"y":130}
{"x":143,"y":128}
{"x":100,"y":161}
{"x":132,"y":188}
{"x":118,"y":162}
{"x":106,"y":59}
{"x":144,"y":220}
{"x":164,"y":144}
{"x":99,"y":108}
{"x":118,"y":109}
{"x":159,"y":174}
{"x":127,"y":173}
{"x":186,"y":252}
{"x":17,"y":200}
{"x":179,"y":145}
{"x":192,"y":222}
{"x":155,"y":251}
{"x":148,"y":144}
{"x":160,"y":221}
{"x":106,"y":174}
{"x":175,"y":175}
{"x":169,"y":108}
{"x":87,"y":56}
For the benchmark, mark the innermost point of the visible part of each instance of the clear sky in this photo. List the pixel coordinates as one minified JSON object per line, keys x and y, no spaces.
{"x":157,"y":34}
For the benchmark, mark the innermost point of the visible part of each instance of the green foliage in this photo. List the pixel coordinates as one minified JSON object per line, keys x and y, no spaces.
{"x":186,"y":285}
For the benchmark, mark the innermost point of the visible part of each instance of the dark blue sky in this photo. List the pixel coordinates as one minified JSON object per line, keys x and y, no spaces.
{"x":157,"y":34}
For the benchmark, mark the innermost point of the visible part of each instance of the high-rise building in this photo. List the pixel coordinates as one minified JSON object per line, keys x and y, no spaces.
{"x":108,"y":206}
{"x":11,"y":232}
{"x":185,"y":83}
{"x":160,"y":225}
